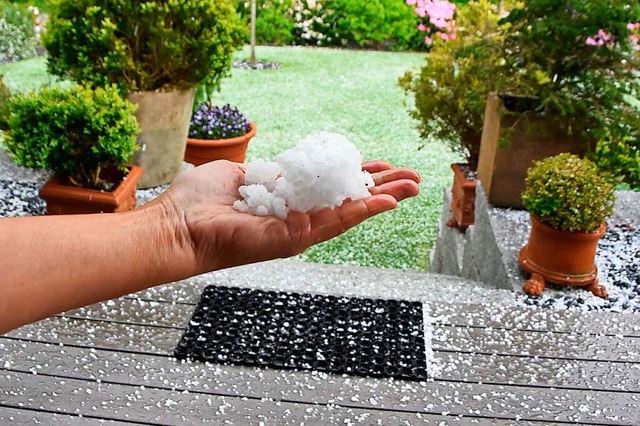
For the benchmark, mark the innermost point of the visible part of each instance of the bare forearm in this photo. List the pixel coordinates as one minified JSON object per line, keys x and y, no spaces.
{"x":55,"y":263}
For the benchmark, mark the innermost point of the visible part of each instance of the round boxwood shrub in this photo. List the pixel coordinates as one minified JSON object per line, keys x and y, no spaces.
{"x":75,"y":132}
{"x":151,"y":45}
{"x":568,"y":193}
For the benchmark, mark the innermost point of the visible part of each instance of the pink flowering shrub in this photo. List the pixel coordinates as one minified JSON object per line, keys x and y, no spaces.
{"x":635,"y":35}
{"x":437,"y":19}
{"x":604,"y":38}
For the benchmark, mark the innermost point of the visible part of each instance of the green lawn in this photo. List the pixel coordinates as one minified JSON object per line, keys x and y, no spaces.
{"x":349,"y":92}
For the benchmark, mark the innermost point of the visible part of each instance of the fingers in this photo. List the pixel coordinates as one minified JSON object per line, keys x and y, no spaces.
{"x":376,"y":166}
{"x":398,"y":189}
{"x":329,"y":223}
{"x":391,"y":175}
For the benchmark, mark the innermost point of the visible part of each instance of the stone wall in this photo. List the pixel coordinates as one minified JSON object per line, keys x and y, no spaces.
{"x":484,"y":252}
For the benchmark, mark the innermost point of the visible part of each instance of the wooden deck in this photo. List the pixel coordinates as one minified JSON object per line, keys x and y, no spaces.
{"x":112,"y":362}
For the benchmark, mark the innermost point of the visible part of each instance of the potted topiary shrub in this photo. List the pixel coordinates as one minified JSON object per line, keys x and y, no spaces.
{"x":577,"y":88}
{"x":569,"y":200}
{"x":156,"y":52}
{"x":450,"y":95}
{"x":87,"y":138}
{"x":218,"y":133}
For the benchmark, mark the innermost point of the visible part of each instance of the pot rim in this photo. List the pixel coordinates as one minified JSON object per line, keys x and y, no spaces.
{"x":225,"y":142}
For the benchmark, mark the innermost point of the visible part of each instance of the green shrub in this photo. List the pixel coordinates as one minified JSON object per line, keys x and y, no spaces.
{"x":568,"y":193}
{"x":621,"y":158}
{"x":274,"y":21}
{"x":75,"y":132}
{"x":5,"y":94}
{"x":379,"y":24}
{"x":151,"y":45}
{"x":579,"y":76}
{"x":17,"y":35}
{"x":451,"y":90}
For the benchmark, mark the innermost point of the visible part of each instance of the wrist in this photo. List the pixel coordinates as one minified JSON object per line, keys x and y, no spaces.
{"x":167,"y":240}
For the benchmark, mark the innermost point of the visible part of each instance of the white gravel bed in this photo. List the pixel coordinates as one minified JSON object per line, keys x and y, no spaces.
{"x":617,"y":259}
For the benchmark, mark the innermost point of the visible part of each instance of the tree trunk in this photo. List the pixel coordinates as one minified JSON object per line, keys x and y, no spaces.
{"x":253,"y":32}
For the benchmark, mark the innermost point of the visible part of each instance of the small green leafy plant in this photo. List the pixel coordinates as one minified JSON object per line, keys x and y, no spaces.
{"x":75,"y":132}
{"x":5,"y":95}
{"x":568,"y":193}
{"x":151,"y":45}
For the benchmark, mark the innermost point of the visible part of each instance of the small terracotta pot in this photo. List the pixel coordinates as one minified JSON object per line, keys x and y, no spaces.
{"x":463,"y":199}
{"x":200,"y":151}
{"x":566,"y":258}
{"x":63,"y":198}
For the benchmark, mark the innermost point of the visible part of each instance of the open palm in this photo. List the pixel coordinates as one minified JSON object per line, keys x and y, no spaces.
{"x":221,"y":237}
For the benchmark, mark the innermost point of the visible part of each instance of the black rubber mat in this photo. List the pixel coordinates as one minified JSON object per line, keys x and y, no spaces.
{"x":368,"y":337}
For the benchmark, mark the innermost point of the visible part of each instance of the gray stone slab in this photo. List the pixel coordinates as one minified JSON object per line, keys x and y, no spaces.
{"x":159,"y":391}
{"x":291,"y":275}
{"x":627,"y":208}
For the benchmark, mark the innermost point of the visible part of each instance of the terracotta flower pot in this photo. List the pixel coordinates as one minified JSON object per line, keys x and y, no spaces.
{"x":566,"y":258}
{"x":200,"y":151}
{"x":63,"y":198}
{"x":164,"y":124}
{"x":463,"y":198}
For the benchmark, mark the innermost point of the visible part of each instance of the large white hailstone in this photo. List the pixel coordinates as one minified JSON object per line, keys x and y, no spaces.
{"x":321,"y":171}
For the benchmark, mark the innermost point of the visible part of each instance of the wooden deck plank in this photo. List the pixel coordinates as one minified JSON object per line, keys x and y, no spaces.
{"x":539,"y":372}
{"x":137,"y":311}
{"x":167,"y":407}
{"x":21,"y":416}
{"x":535,"y":318}
{"x":463,"y":314}
{"x":484,"y":340}
{"x":455,"y":367}
{"x":536,"y":344}
{"x":101,"y":334}
{"x":470,"y":399}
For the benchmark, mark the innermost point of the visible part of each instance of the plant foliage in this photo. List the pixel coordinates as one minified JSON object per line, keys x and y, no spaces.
{"x":568,"y":193}
{"x":451,"y":90}
{"x":579,"y":58}
{"x":75,"y":132}
{"x":17,"y":35}
{"x":274,"y":23}
{"x":151,"y":45}
{"x":5,"y":95}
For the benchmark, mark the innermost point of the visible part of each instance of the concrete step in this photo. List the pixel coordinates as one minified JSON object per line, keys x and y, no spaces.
{"x":296,"y":276}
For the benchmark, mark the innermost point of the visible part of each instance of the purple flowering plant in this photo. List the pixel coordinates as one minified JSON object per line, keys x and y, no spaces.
{"x":210,"y":121}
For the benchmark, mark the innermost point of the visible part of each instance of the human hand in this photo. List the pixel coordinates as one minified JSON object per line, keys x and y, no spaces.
{"x":219,"y":236}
